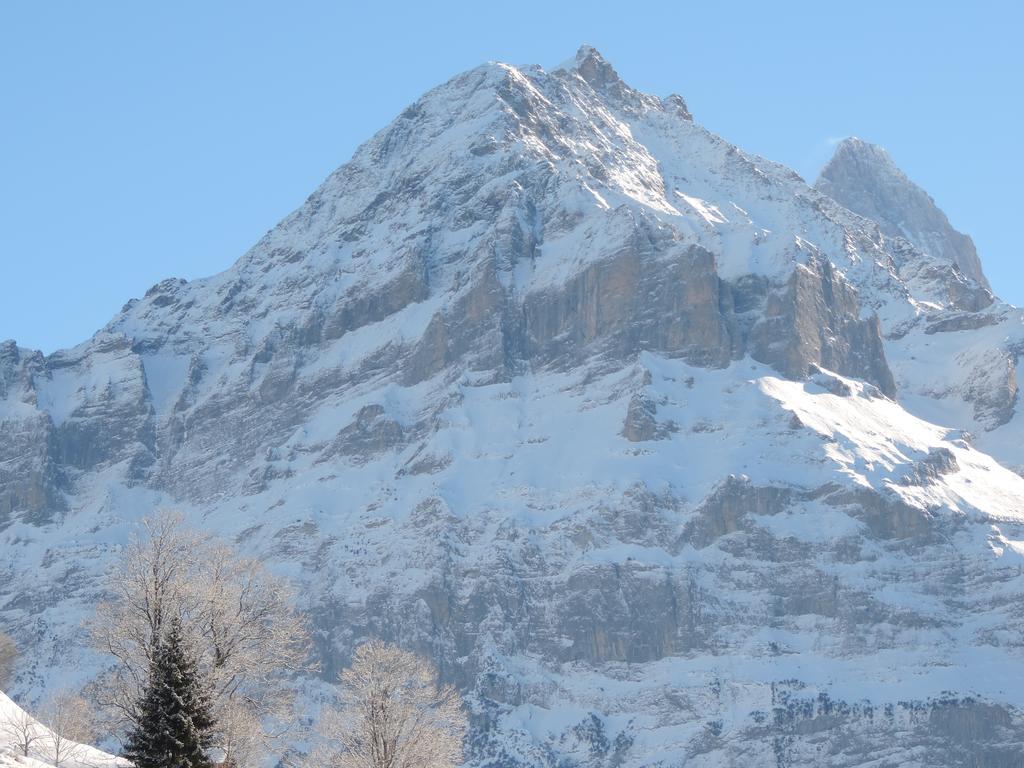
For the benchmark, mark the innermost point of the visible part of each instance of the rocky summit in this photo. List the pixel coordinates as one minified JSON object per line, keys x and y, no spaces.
{"x":663,"y":455}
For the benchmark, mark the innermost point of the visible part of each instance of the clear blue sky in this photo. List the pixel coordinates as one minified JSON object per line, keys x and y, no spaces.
{"x":149,"y":140}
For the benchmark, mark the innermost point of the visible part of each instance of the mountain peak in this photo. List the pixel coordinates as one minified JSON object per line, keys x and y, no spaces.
{"x":854,"y":145}
{"x":855,"y":151}
{"x":595,"y":69}
{"x":864,"y":178}
{"x":590,"y":54}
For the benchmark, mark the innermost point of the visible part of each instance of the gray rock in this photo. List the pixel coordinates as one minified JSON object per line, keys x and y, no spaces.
{"x":864,"y":178}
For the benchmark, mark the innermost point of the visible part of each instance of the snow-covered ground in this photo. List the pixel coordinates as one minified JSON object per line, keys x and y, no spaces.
{"x":41,"y":751}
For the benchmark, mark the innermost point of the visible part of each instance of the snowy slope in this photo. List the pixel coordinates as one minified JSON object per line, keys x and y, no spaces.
{"x":958,"y":361}
{"x":658,"y":451}
{"x":79,"y":756}
{"x":9,"y":759}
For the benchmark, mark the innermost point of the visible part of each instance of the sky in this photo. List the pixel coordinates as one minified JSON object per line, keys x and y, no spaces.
{"x":140,"y":141}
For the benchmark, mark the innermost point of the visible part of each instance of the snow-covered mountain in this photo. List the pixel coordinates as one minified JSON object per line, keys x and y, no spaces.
{"x":865,"y":179}
{"x":661,"y":453}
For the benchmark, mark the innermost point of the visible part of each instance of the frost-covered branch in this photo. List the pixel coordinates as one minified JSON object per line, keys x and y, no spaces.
{"x":19,"y":730}
{"x":70,"y":722}
{"x":240,"y":619}
{"x":393,"y":714}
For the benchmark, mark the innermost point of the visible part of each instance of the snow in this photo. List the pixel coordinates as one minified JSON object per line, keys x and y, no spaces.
{"x":874,"y":439}
{"x":10,"y":759}
{"x":80,"y":755}
{"x":104,"y":374}
{"x":165,"y":378}
{"x":706,"y":210}
{"x":538,"y":454}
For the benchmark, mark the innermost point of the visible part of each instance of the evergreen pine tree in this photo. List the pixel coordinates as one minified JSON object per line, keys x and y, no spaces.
{"x":175,"y":721}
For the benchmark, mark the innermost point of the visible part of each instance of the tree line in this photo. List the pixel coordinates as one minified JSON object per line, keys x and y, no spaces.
{"x":202,"y":643}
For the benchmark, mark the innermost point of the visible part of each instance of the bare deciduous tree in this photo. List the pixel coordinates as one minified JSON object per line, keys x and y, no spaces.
{"x":8,"y":658}
{"x":239,"y":617}
{"x":149,"y":587}
{"x":393,"y":714}
{"x":20,"y":731}
{"x":241,"y":738}
{"x":70,"y":721}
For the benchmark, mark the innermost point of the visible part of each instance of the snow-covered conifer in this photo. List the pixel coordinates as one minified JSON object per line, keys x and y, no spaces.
{"x":240,"y":620}
{"x":175,"y":722}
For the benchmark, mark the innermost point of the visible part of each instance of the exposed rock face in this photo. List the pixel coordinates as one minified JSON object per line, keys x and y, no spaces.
{"x":864,"y":178}
{"x":609,"y":418}
{"x":816,"y":321}
{"x":642,"y":421}
{"x":939,"y":461}
{"x":29,"y":479}
{"x":634,"y":302}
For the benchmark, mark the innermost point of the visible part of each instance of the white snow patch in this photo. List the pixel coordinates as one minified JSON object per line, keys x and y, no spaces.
{"x":707,"y":211}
